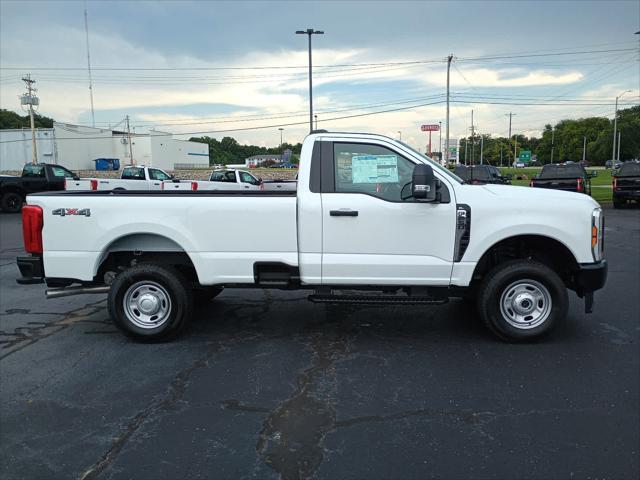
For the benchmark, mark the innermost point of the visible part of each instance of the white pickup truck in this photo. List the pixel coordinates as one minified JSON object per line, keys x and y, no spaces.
{"x":132,"y":177}
{"x":224,"y":179}
{"x":372,"y":221}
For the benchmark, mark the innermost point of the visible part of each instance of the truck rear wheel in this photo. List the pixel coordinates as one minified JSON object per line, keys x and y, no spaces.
{"x":150,"y":302}
{"x":522,"y":300}
{"x":11,"y":202}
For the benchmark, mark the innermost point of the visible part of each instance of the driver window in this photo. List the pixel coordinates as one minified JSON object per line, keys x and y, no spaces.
{"x":247,"y":178}
{"x":371,"y":169}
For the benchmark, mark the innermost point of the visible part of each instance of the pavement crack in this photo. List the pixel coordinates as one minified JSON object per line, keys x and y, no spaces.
{"x":291,"y":438}
{"x":21,"y":337}
{"x":174,"y":393}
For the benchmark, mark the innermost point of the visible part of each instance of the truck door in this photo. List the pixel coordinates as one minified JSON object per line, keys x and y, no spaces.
{"x":156,"y":177}
{"x":248,"y":181}
{"x":370,"y":235}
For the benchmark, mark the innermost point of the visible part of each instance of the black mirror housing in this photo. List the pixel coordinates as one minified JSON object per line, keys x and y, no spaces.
{"x":423,"y":183}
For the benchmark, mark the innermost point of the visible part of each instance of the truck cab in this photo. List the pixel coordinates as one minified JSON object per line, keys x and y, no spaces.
{"x":132,"y":177}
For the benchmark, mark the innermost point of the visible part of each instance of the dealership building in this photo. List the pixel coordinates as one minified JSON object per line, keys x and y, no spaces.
{"x":76,"y":147}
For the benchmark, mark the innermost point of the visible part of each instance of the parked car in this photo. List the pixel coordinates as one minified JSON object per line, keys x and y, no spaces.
{"x":626,"y":184}
{"x":40,"y":177}
{"x":132,"y":177}
{"x":570,"y":177}
{"x":226,"y":179}
{"x":482,"y":174}
{"x":612,"y":164}
{"x":370,"y":215}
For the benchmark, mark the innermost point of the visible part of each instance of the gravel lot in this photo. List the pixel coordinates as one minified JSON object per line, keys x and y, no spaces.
{"x":267,"y":385}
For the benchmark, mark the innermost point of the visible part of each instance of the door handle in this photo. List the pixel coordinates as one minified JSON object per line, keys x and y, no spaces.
{"x":343,"y":213}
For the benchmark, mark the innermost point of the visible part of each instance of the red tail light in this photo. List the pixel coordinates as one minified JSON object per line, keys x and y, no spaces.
{"x":65,"y":183}
{"x":194,"y":186}
{"x":32,"y":228}
{"x":261,"y":185}
{"x":615,"y":183}
{"x":94,"y":184}
{"x":579,"y":184}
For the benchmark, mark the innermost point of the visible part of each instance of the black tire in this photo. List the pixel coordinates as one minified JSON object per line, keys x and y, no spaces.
{"x":204,"y":295}
{"x":618,"y":203}
{"x":522,"y":300}
{"x":173,"y":300}
{"x":11,"y":202}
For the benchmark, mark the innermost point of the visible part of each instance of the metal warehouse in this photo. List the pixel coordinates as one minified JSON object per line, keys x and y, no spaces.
{"x":76,"y":147}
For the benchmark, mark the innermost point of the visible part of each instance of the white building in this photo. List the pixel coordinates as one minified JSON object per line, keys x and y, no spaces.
{"x":76,"y":147}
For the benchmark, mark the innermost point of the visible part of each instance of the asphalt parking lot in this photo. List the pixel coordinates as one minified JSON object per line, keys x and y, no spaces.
{"x":267,"y":385}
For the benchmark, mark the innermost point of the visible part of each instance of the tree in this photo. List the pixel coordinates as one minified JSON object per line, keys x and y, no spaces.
{"x":9,"y":120}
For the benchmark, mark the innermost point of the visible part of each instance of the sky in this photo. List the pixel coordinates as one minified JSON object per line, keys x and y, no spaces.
{"x":238,"y":68}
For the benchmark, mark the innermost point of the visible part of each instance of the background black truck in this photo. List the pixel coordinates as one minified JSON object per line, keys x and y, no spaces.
{"x":626,"y":184}
{"x":570,"y":177}
{"x":40,"y":177}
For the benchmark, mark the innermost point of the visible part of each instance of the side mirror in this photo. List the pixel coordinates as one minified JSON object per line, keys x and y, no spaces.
{"x":423,"y":183}
{"x":76,"y":177}
{"x":509,"y":176}
{"x":594,"y":173}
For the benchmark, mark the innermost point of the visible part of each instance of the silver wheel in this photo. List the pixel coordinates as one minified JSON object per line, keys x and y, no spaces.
{"x":525,"y":304}
{"x":147,"y":304}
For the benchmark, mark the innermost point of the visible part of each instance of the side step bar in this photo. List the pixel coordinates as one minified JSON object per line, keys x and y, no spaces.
{"x":68,"y":291}
{"x":378,"y":299}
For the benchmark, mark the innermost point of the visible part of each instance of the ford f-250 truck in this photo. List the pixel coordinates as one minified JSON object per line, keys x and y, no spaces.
{"x":132,"y":177}
{"x":225,"y":179}
{"x":372,"y":221}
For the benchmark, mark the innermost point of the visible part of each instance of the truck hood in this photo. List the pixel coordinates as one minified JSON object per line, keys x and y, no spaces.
{"x":529,"y":195}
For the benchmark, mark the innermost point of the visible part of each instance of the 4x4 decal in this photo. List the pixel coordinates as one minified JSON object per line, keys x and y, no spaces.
{"x":72,"y":211}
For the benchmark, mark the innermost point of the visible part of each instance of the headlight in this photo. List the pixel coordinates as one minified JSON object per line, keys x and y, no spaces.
{"x":597,"y":234}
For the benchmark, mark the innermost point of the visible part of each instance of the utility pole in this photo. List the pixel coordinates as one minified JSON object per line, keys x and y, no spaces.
{"x":473,"y":140}
{"x":31,"y":100}
{"x":440,"y":140}
{"x":515,"y":146}
{"x":553,"y":135}
{"x":86,"y":33}
{"x":618,"y":156}
{"x":399,"y":135}
{"x":309,"y":32}
{"x":615,"y":125}
{"x":584,"y":148}
{"x":446,"y":142}
{"x":481,"y":147}
{"x":510,"y":114}
{"x":281,"y":130}
{"x":130,"y":146}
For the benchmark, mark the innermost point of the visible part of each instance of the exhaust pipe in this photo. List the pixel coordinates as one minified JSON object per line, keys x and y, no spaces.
{"x":68,"y":291}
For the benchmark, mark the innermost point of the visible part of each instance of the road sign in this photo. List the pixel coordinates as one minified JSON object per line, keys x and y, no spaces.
{"x":430,"y":128}
{"x":525,"y":156}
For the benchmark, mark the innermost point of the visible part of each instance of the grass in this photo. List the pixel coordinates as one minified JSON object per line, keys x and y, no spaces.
{"x":600,"y":185}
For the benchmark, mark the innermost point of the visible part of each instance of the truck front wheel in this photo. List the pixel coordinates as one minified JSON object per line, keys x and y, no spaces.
{"x":150,"y":303}
{"x":521,"y":300}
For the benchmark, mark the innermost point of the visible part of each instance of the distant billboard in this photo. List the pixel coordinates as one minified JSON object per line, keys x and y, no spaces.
{"x":430,"y":128}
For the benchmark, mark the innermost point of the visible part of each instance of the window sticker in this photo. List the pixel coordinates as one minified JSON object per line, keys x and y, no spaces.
{"x":374,"y":169}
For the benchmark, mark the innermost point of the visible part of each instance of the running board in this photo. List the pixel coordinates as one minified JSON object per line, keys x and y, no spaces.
{"x":378,"y":299}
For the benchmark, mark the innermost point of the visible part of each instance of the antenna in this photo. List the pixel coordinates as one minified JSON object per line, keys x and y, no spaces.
{"x":86,"y":33}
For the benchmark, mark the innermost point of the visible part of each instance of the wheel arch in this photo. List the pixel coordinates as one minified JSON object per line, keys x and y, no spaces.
{"x":139,"y":247}
{"x":545,"y":249}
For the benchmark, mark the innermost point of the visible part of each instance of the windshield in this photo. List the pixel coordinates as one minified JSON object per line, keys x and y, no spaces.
{"x":433,"y":163}
{"x":629,"y":169}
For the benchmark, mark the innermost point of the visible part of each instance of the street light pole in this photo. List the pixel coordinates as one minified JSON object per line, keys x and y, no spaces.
{"x":316,"y":119}
{"x":440,"y":141}
{"x":309,"y":32}
{"x":615,"y":126}
{"x":399,"y":135}
{"x":281,"y":130}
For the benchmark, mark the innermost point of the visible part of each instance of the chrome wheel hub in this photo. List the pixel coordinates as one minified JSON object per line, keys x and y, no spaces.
{"x":147,"y":304}
{"x":525,"y":304}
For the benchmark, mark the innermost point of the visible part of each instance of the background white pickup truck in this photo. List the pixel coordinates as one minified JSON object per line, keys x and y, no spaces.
{"x":225,"y":179}
{"x":132,"y":177}
{"x":372,"y":221}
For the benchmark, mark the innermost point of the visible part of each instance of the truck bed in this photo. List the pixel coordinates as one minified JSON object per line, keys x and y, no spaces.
{"x":224,"y":232}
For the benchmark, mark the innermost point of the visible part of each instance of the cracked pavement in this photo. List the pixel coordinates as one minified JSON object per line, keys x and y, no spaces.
{"x":267,"y":385}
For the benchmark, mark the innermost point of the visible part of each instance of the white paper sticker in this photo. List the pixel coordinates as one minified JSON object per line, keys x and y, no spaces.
{"x":374,"y":169}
